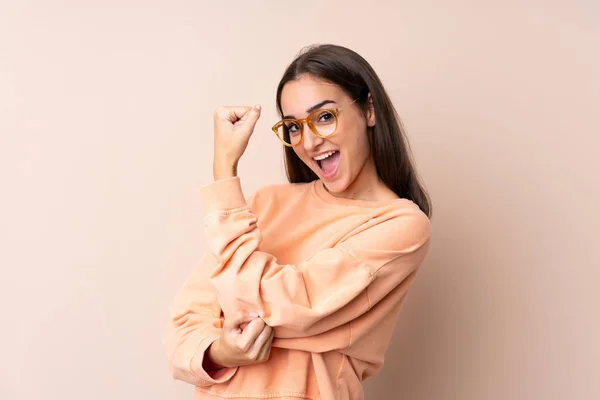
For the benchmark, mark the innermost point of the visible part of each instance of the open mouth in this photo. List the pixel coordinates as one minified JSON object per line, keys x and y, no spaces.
{"x":328,"y":163}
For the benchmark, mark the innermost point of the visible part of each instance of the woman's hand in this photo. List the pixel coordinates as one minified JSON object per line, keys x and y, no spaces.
{"x":239,"y":346}
{"x":233,"y":127}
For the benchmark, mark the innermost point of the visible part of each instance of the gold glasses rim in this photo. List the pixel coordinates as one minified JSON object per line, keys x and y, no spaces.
{"x":307,"y":120}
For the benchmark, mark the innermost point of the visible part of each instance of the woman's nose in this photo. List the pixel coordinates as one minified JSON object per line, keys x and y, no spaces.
{"x":310,"y":141}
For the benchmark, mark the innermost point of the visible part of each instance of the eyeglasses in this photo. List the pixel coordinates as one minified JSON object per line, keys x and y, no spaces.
{"x":322,"y":122}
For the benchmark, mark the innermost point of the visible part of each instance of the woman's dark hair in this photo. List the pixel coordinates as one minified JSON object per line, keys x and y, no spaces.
{"x":388,"y":143}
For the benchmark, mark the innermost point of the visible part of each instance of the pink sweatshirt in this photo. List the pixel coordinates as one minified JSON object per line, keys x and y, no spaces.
{"x":329,"y":274}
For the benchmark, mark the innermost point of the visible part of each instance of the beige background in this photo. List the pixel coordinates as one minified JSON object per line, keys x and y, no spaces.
{"x":105,"y":121}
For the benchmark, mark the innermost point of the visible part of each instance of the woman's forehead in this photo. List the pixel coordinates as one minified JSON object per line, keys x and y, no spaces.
{"x":301,"y":94}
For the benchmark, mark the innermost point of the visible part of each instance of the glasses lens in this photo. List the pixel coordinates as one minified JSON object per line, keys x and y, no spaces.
{"x":324,"y":122}
{"x":290,"y":132}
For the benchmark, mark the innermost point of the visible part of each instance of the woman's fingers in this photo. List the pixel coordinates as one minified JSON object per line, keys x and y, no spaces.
{"x":265,"y":351}
{"x":249,"y":335}
{"x":238,"y":115}
{"x":237,"y":320}
{"x":264,"y":338}
{"x":232,"y":113}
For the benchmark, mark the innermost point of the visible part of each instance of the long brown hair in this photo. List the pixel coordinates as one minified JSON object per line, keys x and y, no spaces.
{"x":388,"y":143}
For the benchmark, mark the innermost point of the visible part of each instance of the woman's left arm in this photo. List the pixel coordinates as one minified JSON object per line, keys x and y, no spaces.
{"x":334,"y":287}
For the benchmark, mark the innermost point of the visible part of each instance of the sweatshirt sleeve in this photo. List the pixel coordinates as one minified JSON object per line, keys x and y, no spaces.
{"x":194,"y":324}
{"x":332,"y":288}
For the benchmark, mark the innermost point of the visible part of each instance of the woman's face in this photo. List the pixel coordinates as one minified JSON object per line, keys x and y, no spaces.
{"x":342,"y":159}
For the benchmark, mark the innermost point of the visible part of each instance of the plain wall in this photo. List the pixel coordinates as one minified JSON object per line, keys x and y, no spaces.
{"x":106,"y":133}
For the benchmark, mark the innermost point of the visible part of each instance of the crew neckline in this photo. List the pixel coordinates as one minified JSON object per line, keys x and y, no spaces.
{"x":318,"y":189}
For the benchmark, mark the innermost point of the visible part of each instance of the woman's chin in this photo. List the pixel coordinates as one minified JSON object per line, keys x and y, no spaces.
{"x":334,"y":184}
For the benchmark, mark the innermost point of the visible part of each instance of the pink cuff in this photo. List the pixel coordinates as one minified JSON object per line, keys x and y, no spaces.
{"x":218,"y":376}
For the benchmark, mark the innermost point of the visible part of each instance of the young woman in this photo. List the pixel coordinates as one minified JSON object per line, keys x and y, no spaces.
{"x":301,"y":289}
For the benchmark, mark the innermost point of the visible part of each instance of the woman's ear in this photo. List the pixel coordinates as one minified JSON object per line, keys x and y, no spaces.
{"x":370,"y":112}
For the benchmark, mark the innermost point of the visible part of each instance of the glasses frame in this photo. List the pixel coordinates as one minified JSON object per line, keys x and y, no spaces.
{"x":307,"y":120}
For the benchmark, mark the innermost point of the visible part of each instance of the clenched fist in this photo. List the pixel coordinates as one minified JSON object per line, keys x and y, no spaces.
{"x":243,"y":341}
{"x":233,"y":127}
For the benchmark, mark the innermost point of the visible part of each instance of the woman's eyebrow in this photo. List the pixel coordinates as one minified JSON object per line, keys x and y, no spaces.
{"x":313,"y":108}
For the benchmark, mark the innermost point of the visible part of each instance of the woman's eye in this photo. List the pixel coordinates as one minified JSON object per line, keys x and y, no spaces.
{"x":292,"y":128}
{"x":325,"y":117}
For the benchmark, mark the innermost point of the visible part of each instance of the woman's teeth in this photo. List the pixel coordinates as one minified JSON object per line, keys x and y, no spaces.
{"x":324,"y":155}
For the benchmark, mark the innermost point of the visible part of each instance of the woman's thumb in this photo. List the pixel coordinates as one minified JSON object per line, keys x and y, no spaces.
{"x":251,"y":116}
{"x":238,"y":318}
